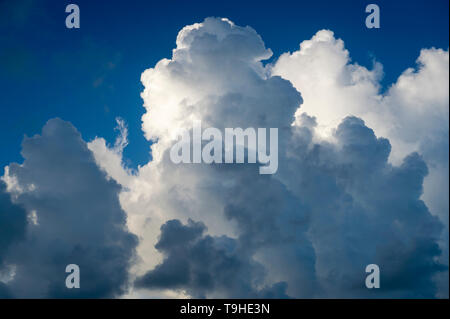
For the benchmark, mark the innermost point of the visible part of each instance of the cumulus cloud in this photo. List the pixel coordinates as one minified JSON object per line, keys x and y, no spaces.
{"x":360,"y":181}
{"x":343,"y":196}
{"x":365,"y":210}
{"x":77,"y":219}
{"x":412,"y":113}
{"x":203,"y":265}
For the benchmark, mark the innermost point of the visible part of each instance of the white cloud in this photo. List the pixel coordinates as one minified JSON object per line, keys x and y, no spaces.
{"x":413,"y":114}
{"x":327,"y":211}
{"x":110,"y":158}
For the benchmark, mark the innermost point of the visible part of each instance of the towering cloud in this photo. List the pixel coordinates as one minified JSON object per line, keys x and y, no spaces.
{"x":364,"y":210}
{"x":343,"y":198}
{"x":74,"y":217}
{"x":413,"y":113}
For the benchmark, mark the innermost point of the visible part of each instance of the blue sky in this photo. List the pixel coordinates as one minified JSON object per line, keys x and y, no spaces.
{"x":91,"y":75}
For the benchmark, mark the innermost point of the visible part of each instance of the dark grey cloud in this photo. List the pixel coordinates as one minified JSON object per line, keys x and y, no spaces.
{"x":335,"y":205}
{"x":79,"y":220}
{"x":310,"y":230}
{"x":364,"y":210}
{"x":13,"y":219}
{"x":205,"y":265}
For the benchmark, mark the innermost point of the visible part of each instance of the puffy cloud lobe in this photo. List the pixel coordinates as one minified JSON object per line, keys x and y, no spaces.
{"x":412,"y":113}
{"x":203,"y":264}
{"x":79,"y":220}
{"x":364,"y":210}
{"x":271,"y":223}
{"x":215,"y":69}
{"x":419,"y":102}
{"x":331,"y":87}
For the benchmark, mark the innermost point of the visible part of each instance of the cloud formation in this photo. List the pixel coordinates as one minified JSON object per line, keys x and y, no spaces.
{"x":203,"y":265}
{"x":413,"y":113}
{"x":361,"y":180}
{"x":364,"y":210}
{"x":74,"y":217}
{"x":337,"y":203}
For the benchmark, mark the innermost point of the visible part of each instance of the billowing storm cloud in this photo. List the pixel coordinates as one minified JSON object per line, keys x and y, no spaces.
{"x":413,"y":113}
{"x":74,"y":217}
{"x":203,"y":265}
{"x":359,"y":182}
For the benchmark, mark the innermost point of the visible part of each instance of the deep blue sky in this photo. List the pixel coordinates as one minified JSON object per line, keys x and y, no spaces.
{"x":91,"y":75}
